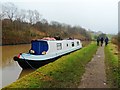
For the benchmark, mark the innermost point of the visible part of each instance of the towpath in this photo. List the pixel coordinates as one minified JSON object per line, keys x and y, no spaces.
{"x":95,"y":76}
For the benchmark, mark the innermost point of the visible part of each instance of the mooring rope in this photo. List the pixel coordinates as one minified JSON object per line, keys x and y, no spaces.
{"x":28,"y":63}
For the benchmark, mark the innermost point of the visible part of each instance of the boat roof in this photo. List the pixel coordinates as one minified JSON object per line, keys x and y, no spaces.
{"x":51,"y":39}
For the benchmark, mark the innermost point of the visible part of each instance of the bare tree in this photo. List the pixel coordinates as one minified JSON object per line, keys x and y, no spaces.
{"x":21,"y":15}
{"x":9,"y":10}
{"x":44,"y":21}
{"x":37,"y":16}
{"x":2,"y":14}
{"x":33,"y":16}
{"x":30,"y":14}
{"x":55,"y":23}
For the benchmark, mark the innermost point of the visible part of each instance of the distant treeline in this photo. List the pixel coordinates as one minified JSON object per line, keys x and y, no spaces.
{"x":21,"y":26}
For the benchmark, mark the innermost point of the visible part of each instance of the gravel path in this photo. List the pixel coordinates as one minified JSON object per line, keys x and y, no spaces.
{"x":95,"y":76}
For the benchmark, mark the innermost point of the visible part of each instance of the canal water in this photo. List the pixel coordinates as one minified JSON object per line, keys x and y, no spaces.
{"x":10,"y":71}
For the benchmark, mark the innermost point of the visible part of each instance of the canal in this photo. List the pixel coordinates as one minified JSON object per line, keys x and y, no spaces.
{"x":10,"y":70}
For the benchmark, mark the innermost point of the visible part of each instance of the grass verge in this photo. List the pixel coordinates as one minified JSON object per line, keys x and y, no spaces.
{"x":112,"y":70}
{"x":65,"y":72}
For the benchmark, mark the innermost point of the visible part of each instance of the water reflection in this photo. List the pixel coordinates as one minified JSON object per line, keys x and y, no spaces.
{"x":0,"y":67}
{"x":8,"y":52}
{"x":10,"y":73}
{"x":0,"y":78}
{"x":10,"y":68}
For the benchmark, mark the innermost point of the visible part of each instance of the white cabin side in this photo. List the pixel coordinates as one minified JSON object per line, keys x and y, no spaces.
{"x":63,"y":46}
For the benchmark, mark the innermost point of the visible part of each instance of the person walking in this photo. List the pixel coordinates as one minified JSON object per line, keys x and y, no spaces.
{"x":98,"y":39}
{"x":102,"y":39}
{"x":106,"y":41}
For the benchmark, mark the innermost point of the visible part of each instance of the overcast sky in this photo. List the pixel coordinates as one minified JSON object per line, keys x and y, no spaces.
{"x":96,"y":15}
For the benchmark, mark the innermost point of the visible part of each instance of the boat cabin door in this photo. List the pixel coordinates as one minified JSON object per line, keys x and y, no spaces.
{"x":39,"y":47}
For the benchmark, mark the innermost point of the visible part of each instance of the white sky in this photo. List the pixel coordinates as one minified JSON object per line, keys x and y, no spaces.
{"x":97,"y":15}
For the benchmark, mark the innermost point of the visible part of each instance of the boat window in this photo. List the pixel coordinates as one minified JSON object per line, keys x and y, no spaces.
{"x":78,"y":44}
{"x":72,"y":44}
{"x":59,"y":46}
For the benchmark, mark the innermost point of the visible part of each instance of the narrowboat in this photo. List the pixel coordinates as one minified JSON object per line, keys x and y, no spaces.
{"x":46,"y":50}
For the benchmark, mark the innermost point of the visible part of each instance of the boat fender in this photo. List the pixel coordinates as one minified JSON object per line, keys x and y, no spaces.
{"x":19,"y":55}
{"x":15,"y":58}
{"x":31,"y":51}
{"x":44,"y":52}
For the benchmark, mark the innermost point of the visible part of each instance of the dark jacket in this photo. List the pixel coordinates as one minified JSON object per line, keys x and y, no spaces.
{"x":106,"y":39}
{"x":102,"y":39}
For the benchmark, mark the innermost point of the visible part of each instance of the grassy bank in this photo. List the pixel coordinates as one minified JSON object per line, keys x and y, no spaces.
{"x":112,"y":70}
{"x":64,"y":72}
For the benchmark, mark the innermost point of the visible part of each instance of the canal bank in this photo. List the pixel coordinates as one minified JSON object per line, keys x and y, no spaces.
{"x":64,"y":72}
